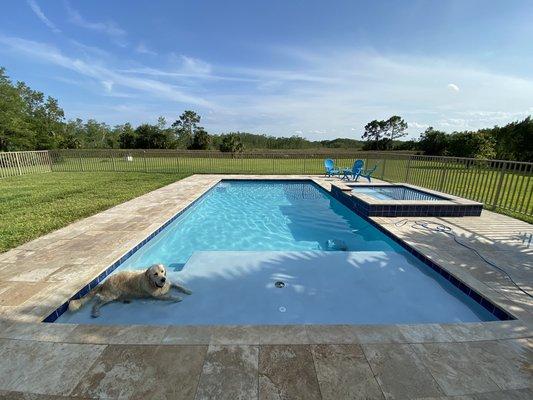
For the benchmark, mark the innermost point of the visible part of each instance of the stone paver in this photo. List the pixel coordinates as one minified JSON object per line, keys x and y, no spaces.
{"x":344,"y":373}
{"x":488,"y":361}
{"x":400,"y":373}
{"x":459,"y":368}
{"x":229,"y":372}
{"x":44,"y":368}
{"x":287,"y":372}
{"x":142,"y":372}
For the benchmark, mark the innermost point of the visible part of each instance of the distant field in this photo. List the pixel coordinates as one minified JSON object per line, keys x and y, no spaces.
{"x":33,"y":205}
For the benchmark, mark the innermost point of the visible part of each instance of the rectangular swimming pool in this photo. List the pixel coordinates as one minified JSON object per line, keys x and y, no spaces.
{"x":235,"y":244}
{"x":395,"y":192}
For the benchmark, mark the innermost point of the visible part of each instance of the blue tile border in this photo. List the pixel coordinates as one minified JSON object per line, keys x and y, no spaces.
{"x":408,"y":210}
{"x":335,"y":193}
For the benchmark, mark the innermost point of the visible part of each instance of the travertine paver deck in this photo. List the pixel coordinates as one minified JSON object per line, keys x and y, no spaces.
{"x":433,"y":361}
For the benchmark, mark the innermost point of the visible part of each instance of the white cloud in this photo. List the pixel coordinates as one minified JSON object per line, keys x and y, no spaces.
{"x":453,"y":87}
{"x":324,"y":94}
{"x":142,"y":48}
{"x":107,"y":76}
{"x":109,"y":27}
{"x":40,"y":14}
{"x":193,"y":66}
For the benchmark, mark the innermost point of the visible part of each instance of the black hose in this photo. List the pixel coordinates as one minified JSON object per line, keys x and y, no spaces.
{"x":449,"y":231}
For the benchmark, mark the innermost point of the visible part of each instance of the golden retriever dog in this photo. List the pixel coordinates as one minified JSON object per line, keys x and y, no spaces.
{"x":127,"y":285}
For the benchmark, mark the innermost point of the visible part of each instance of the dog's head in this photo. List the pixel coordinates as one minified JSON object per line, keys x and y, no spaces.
{"x":157,"y":275}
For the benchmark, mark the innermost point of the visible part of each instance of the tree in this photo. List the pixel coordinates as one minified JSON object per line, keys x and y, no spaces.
{"x":231,"y":143}
{"x":127,"y":137}
{"x":395,"y":127}
{"x":374,"y":130}
{"x":153,"y":137}
{"x":201,"y":140}
{"x":185,"y":128}
{"x":15,"y":130}
{"x":433,"y":142}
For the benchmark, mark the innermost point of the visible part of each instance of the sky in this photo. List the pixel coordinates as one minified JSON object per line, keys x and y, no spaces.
{"x":317,"y":69}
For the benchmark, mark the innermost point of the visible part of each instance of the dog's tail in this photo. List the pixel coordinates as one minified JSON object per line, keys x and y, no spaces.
{"x":76,"y":304}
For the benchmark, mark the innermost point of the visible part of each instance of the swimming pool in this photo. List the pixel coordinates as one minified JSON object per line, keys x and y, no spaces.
{"x":395,"y":192}
{"x":236,"y":243}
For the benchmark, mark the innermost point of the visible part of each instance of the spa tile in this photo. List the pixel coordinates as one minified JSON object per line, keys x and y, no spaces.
{"x":344,"y":373}
{"x":229,"y":372}
{"x":399,"y":372}
{"x":142,"y":372}
{"x":287,"y":372}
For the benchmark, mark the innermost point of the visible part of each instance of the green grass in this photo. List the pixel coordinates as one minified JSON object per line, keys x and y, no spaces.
{"x":479,"y":182}
{"x":33,"y":205}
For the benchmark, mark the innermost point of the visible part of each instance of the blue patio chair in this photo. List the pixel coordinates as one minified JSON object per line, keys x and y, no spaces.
{"x":329,"y":164}
{"x":357,"y":171}
{"x":367,"y":173}
{"x":354,"y":172}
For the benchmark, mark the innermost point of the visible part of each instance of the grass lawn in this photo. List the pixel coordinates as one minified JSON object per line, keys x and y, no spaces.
{"x":509,"y":193}
{"x":33,"y":205}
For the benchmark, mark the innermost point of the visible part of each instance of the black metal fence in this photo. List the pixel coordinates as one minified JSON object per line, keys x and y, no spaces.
{"x":501,"y":185}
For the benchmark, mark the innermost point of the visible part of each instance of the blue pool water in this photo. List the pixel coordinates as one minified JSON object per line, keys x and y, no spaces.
{"x":395,"y":193}
{"x":237,"y":241}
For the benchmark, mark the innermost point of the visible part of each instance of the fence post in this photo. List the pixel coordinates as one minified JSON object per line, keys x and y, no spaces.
{"x":113,"y":160}
{"x":442,"y":178}
{"x":49,"y":159}
{"x":18,"y":162}
{"x":499,"y":187}
{"x":144,"y":159}
{"x":407,"y":171}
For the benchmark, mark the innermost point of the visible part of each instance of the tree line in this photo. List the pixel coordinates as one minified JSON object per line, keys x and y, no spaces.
{"x":29,"y":120}
{"x":513,"y":141}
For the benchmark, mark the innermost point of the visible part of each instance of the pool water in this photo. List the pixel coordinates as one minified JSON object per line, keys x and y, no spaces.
{"x":233,"y":245}
{"x":395,"y":193}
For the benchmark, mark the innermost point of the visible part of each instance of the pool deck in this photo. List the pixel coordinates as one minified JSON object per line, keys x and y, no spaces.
{"x":492,"y":360}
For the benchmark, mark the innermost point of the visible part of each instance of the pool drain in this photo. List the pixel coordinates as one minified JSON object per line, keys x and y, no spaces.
{"x":279,"y":284}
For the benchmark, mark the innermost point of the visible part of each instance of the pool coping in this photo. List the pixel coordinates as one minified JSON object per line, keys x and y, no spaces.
{"x":278,"y":334}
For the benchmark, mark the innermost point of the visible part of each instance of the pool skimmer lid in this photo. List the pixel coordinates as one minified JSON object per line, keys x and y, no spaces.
{"x":279,"y":284}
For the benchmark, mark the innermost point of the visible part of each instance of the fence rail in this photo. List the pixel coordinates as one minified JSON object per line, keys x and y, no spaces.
{"x":24,"y":162}
{"x":501,"y":185}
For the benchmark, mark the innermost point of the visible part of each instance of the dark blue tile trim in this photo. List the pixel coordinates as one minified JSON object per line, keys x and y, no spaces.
{"x":335,"y":193}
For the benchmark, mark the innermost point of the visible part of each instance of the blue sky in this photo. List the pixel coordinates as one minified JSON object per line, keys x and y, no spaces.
{"x":313,"y":68}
